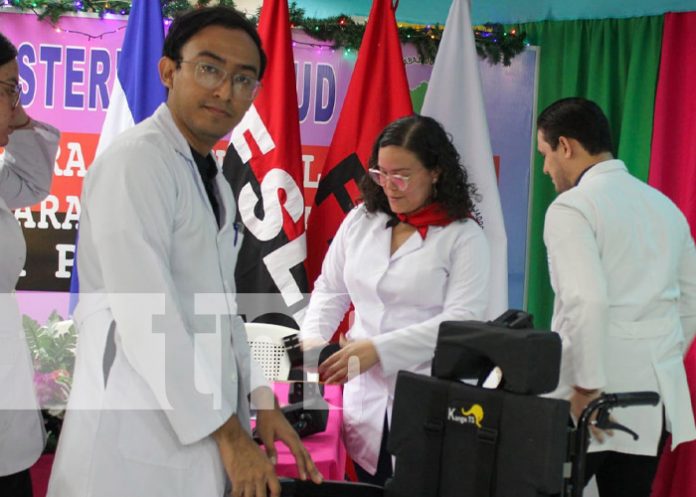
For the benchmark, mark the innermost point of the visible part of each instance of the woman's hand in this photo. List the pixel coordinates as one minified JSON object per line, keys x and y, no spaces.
{"x":354,"y":358}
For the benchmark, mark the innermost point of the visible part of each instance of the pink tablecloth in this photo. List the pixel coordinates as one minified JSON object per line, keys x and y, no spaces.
{"x":327,"y":449}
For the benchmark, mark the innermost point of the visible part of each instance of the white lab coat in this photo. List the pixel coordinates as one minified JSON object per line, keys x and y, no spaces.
{"x":25,"y":178}
{"x":400,"y":301}
{"x":623,"y":267}
{"x":152,"y":259}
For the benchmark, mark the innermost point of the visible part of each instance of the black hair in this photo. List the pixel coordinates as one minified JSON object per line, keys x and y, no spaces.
{"x":188,"y":24}
{"x":8,"y":51}
{"x":577,"y":118}
{"x":426,"y":139}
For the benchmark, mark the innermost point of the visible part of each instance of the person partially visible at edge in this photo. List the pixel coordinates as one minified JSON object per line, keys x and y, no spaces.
{"x":623,"y":270}
{"x":160,"y":396}
{"x":408,"y":258}
{"x":26,"y":171}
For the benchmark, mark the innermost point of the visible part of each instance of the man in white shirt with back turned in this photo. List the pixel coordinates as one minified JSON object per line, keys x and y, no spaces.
{"x":623,"y":269}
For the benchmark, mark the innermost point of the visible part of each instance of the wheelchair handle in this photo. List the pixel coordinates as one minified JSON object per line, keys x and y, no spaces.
{"x":632,"y":399}
{"x":602,"y":405}
{"x":609,"y":401}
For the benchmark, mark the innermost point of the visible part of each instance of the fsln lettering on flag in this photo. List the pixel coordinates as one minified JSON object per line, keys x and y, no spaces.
{"x":263,"y":165}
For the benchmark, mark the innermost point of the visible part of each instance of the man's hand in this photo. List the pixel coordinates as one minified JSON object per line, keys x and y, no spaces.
{"x":579,"y":400}
{"x":271,"y":425}
{"x":353,"y":359}
{"x":248,"y":468}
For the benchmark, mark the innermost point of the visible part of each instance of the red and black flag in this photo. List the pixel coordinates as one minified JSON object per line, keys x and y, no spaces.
{"x":378,"y":93}
{"x":263,"y":165}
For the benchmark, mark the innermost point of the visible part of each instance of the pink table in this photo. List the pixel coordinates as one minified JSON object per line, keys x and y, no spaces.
{"x":326,"y":448}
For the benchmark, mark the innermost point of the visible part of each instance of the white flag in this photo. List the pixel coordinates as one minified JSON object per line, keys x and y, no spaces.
{"x":455,"y":98}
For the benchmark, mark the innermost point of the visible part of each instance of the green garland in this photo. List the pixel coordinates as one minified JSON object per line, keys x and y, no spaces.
{"x":344,"y":32}
{"x":496,"y":44}
{"x":493,"y":43}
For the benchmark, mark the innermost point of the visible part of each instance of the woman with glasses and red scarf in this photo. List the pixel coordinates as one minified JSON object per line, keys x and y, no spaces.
{"x":26,"y":170}
{"x":408,"y":257}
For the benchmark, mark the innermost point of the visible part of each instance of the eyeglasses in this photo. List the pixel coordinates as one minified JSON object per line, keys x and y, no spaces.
{"x":211,"y":76}
{"x":399,"y":181}
{"x":13,"y":91}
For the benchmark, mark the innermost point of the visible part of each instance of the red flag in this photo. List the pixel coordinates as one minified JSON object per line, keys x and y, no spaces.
{"x":264,"y":166}
{"x":673,"y":155}
{"x":378,"y":93}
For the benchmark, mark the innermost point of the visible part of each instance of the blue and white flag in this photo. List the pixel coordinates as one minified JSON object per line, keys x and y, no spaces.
{"x":137,"y":90}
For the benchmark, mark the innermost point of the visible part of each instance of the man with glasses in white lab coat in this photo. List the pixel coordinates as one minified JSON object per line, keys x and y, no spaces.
{"x":160,"y":396}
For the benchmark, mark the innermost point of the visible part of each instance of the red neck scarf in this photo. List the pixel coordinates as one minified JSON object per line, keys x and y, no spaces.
{"x":431,"y":215}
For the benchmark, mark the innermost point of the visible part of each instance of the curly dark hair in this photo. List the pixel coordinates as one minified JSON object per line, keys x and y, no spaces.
{"x":426,"y":139}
